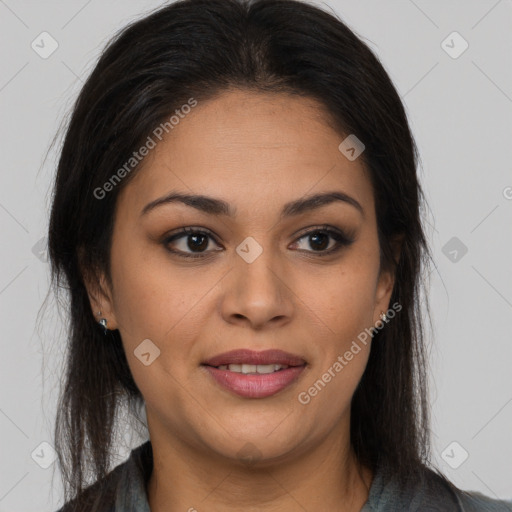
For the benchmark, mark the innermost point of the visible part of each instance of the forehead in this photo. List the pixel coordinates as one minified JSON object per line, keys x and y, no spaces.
{"x":251,"y":148}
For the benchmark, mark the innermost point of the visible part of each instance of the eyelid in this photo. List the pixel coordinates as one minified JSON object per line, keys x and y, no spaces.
{"x":188,"y":230}
{"x":343,"y":239}
{"x":348,"y":235}
{"x":179,"y":233}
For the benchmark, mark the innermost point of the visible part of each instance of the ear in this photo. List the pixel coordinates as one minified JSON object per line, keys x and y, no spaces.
{"x":386,"y":280}
{"x":100,"y":296}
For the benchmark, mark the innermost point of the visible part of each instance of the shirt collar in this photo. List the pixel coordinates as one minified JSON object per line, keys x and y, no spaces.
{"x":131,"y":493}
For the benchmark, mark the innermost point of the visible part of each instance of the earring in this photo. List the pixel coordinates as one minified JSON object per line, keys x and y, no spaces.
{"x":103,"y":323}
{"x":383,"y":316}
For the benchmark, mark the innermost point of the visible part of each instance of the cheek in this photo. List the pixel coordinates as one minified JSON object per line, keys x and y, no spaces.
{"x":163,"y":303}
{"x":157,"y":303}
{"x":342,"y":304}
{"x":341,"y":346}
{"x":151,"y":296}
{"x":341,"y":300}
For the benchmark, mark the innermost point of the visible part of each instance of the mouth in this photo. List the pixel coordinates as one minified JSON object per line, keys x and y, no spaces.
{"x":253,"y":369}
{"x":253,"y":374}
{"x":252,"y":358}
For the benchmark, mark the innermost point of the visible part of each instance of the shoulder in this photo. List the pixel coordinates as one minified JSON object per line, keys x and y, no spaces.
{"x":468,"y":501}
{"x":476,"y":502}
{"x":125,"y":482}
{"x":438,"y":492}
{"x":98,"y":497}
{"x":430,"y":492}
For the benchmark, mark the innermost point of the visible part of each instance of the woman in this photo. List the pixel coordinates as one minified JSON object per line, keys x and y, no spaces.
{"x":236,"y":215}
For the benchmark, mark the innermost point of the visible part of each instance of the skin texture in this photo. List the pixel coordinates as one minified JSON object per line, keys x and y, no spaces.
{"x":256,"y":151}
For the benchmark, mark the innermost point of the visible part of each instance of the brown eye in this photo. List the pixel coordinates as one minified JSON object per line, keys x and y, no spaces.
{"x":319,"y":241}
{"x":194,"y":242}
{"x":189,"y":241}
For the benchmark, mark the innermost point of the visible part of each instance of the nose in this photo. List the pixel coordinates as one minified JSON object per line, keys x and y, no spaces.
{"x":255,"y":294}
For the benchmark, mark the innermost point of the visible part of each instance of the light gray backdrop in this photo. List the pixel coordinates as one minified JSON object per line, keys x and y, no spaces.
{"x":459,"y":101}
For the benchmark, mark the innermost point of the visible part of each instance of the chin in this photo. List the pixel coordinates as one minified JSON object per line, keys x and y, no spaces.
{"x":255,"y":447}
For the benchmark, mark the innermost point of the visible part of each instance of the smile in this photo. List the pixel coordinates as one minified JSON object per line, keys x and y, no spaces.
{"x":244,"y":381}
{"x":252,"y":369}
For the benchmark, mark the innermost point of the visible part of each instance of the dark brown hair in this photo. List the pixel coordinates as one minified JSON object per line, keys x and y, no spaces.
{"x":200,"y":48}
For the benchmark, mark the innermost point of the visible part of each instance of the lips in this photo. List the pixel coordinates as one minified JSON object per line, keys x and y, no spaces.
{"x":245,"y":356}
{"x":255,"y":386}
{"x":243,"y":382}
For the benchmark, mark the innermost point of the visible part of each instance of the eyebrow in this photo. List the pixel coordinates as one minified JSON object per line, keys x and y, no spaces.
{"x":213,"y":206}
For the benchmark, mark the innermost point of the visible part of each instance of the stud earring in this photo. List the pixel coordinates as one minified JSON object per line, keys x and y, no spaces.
{"x":103,"y":323}
{"x":383,"y":316}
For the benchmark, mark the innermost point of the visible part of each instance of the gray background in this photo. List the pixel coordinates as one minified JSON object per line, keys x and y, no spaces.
{"x":460,"y":110}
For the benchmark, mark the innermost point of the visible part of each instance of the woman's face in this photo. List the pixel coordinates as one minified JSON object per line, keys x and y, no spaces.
{"x":266,"y":276}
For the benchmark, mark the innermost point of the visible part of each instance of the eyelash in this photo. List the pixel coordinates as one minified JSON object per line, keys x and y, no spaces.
{"x":342,"y":240}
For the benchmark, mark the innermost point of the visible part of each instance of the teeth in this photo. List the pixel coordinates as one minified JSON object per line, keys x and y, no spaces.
{"x":253,"y":369}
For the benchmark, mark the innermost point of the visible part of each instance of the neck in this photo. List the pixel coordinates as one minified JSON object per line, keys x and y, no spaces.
{"x":326,"y":476}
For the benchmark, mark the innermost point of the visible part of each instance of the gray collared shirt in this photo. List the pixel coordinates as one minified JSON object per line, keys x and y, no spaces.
{"x":127,"y":486}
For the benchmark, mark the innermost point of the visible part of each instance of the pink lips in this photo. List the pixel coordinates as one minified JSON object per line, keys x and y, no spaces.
{"x":246,"y":356}
{"x":255,"y":386}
